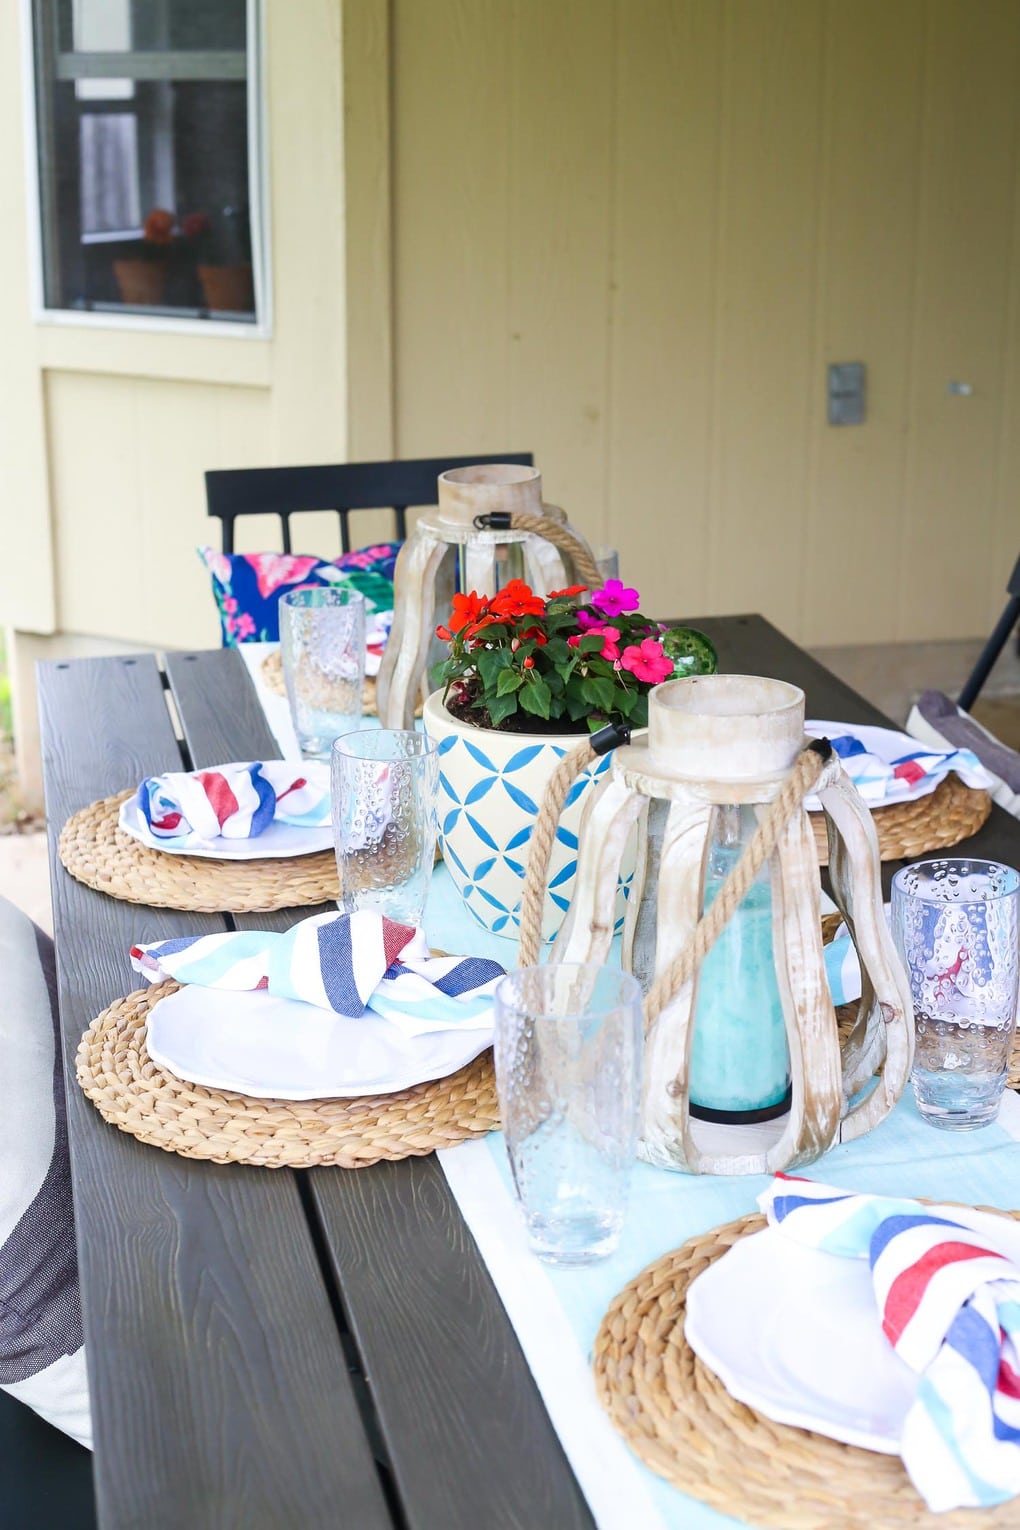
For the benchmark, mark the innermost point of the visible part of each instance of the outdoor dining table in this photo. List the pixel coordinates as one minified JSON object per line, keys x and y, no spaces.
{"x":269,"y":1348}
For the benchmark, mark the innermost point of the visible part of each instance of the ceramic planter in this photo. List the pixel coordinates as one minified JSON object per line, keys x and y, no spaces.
{"x":490,"y":789}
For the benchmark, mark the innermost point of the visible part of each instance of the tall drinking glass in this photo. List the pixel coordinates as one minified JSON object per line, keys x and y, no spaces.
{"x":322,"y":648}
{"x":955,"y":925}
{"x":385,"y":785}
{"x":568,"y":1045}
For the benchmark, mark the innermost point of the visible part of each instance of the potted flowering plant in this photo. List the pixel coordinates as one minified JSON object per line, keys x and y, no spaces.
{"x":523,"y":663}
{"x":527,"y":674}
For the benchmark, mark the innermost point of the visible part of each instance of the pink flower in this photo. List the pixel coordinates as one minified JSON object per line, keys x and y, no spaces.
{"x":245,"y":626}
{"x":646,"y":661}
{"x":615,"y":598}
{"x":230,"y":604}
{"x":610,"y":636}
{"x":586,"y":621}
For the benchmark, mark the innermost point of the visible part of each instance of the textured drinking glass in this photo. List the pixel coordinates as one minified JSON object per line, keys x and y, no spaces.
{"x":322,"y":647}
{"x":955,"y":925}
{"x":568,"y":1074}
{"x":385,"y":786}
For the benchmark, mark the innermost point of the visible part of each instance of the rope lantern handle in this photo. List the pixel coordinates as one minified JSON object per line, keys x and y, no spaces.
{"x":544,"y":833}
{"x":552,"y":531}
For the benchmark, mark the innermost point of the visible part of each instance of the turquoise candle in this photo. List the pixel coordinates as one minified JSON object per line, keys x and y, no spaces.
{"x":740,"y":1062}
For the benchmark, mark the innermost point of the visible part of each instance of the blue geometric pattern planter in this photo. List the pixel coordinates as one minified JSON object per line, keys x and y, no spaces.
{"x":491,"y":786}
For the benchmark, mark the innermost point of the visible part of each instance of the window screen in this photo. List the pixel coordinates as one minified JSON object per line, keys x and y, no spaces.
{"x":144,"y":156}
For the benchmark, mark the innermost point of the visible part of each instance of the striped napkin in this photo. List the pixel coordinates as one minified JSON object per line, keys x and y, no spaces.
{"x":235,"y":801}
{"x":949,"y":1303}
{"x":346,"y":963}
{"x":887,"y":767}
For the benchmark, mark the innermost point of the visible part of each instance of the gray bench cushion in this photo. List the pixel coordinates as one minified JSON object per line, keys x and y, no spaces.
{"x":42,"y":1359}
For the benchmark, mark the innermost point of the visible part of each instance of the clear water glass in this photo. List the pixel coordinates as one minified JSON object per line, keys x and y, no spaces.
{"x":322,"y":648}
{"x":385,"y":784}
{"x":568,"y":1045}
{"x":955,"y":926}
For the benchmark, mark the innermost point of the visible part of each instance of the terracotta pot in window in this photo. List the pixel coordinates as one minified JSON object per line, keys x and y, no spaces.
{"x":228,"y":288}
{"x":141,"y":282}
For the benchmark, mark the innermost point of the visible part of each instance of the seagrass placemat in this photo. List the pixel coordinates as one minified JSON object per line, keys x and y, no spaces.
{"x":272,"y":679}
{"x":101,"y":855}
{"x":675,"y":1414}
{"x":137,"y":1096}
{"x":950,"y":813}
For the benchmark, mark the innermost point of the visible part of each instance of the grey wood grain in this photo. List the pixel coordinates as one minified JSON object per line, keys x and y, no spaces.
{"x":466,"y":1432}
{"x":220,"y":1392}
{"x":466,"y":1429}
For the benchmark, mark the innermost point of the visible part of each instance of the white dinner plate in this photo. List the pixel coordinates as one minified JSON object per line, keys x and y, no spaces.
{"x":279,"y":839}
{"x":272,"y":1048}
{"x":796,"y":1334}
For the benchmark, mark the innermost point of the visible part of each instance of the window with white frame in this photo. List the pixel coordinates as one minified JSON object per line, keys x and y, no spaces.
{"x":146,"y":160}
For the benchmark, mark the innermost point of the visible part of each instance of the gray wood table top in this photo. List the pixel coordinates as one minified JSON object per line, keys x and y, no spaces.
{"x":269,"y":1349}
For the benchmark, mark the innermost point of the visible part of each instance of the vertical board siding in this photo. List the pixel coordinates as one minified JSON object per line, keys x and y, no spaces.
{"x":128,"y":456}
{"x":632,"y":234}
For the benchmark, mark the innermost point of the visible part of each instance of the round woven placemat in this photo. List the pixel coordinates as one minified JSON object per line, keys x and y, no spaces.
{"x":950,"y":813}
{"x":134,"y":1094}
{"x":678,"y":1417}
{"x":94,"y":850}
{"x":272,"y":679}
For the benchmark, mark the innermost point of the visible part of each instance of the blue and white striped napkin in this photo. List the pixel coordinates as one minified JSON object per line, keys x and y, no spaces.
{"x":949,"y":1303}
{"x":347,"y":963}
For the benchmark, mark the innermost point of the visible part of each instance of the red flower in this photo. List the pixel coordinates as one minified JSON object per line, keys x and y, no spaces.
{"x":569,"y":592}
{"x":528,"y":663}
{"x":466,"y":609}
{"x":444,"y":634}
{"x":517,"y":599}
{"x":158,"y":227}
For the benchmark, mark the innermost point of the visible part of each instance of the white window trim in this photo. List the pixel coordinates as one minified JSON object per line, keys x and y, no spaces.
{"x":258,"y":198}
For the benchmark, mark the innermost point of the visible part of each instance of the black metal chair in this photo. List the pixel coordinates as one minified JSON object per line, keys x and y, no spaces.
{"x":344,"y":488}
{"x":996,"y":643}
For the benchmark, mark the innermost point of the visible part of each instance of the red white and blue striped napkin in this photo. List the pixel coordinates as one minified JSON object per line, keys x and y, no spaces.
{"x":888,"y":767}
{"x":346,"y":963}
{"x":949,"y":1303}
{"x":237,"y":801}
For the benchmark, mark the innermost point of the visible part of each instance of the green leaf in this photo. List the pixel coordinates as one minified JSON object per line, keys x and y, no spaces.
{"x":559,"y":652}
{"x":508,"y":682}
{"x":535,"y":698}
{"x":501,"y":707}
{"x":577,"y":707}
{"x":489,"y":662}
{"x":592,"y":642}
{"x":601,"y":692}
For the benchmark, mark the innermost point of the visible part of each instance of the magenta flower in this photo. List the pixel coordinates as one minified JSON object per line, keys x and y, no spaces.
{"x":646,"y":661}
{"x":586,"y":621}
{"x":615,"y":599}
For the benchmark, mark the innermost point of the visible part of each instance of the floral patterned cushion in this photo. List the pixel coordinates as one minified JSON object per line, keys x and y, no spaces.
{"x":248,"y":586}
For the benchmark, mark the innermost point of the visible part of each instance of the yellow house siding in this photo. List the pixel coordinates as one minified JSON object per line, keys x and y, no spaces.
{"x":128,"y":510}
{"x":632,"y":234}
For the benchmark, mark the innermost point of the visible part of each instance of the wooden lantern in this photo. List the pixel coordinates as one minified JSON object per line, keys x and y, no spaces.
{"x":490,"y":526}
{"x":721,"y":744}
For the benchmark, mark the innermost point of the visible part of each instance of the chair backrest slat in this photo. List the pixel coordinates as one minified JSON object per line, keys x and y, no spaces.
{"x":341,"y":489}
